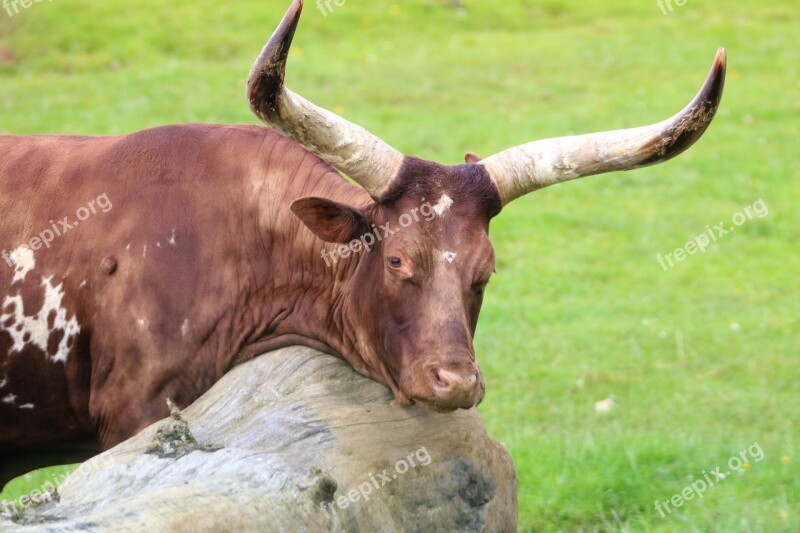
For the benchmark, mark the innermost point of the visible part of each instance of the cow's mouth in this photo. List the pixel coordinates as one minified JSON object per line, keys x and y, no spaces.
{"x":443,"y":405}
{"x":439,"y":384}
{"x":437,"y":408}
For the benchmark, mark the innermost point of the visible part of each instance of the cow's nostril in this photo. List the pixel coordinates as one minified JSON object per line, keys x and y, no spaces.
{"x":448,"y":381}
{"x":439,"y":380}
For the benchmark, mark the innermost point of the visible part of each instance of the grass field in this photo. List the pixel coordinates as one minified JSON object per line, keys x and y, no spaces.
{"x":702,"y":358}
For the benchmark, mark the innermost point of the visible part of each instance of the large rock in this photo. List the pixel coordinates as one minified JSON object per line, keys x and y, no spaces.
{"x":292,"y":441}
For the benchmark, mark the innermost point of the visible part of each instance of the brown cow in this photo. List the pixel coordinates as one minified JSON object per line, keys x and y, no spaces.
{"x":193,"y":248}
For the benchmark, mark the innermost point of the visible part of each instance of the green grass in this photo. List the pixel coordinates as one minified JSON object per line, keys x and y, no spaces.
{"x":580,"y":308}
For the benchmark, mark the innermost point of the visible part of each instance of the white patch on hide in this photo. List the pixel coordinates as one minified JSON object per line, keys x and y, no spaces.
{"x":128,"y":248}
{"x":442,"y":205}
{"x":449,"y":256}
{"x":142,"y":323}
{"x":11,"y":399}
{"x":82,"y":285}
{"x":36,"y":326}
{"x":171,"y":239}
{"x":144,"y":251}
{"x":3,"y":382}
{"x":23,"y":263}
{"x":185,"y":328}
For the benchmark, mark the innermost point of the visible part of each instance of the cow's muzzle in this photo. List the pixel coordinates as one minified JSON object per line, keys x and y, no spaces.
{"x":449,"y":386}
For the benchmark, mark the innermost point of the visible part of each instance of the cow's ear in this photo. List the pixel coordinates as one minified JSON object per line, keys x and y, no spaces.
{"x":329,"y":220}
{"x":471,"y":157}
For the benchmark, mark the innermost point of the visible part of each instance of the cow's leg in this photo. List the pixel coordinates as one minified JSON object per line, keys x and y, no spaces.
{"x":15,"y":464}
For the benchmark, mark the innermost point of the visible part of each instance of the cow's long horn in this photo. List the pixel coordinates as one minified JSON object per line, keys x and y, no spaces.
{"x":367,"y":159}
{"x":526,"y":168}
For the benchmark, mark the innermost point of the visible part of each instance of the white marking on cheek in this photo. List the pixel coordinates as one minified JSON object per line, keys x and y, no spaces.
{"x":36,"y":327}
{"x":449,"y":256}
{"x":23,"y":263}
{"x":442,"y":205}
{"x":10,"y":399}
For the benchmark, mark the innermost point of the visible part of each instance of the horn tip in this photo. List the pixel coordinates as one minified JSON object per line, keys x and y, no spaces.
{"x":721,"y":59}
{"x":716,"y":79}
{"x":297,"y":6}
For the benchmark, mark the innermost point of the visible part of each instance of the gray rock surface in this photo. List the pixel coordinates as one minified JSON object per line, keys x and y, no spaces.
{"x":293,"y":440}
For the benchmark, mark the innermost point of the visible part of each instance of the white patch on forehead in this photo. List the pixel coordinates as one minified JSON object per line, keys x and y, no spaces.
{"x":449,"y":256}
{"x":36,"y":327}
{"x":442,"y":205}
{"x":185,"y":328}
{"x":23,"y":263}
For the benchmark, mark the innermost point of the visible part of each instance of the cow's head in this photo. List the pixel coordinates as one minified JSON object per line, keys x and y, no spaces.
{"x":416,"y":336}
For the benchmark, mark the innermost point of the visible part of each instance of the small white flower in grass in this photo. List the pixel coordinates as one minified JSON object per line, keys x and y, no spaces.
{"x":605,"y":406}
{"x":735,"y":326}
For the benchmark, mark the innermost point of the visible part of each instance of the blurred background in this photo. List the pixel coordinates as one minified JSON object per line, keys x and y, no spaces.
{"x":614,"y":382}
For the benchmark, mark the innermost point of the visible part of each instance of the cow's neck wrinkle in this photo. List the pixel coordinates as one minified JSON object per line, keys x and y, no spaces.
{"x":303,"y":300}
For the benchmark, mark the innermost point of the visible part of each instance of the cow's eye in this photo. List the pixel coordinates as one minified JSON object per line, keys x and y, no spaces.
{"x":478,"y":289}
{"x":395,"y":262}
